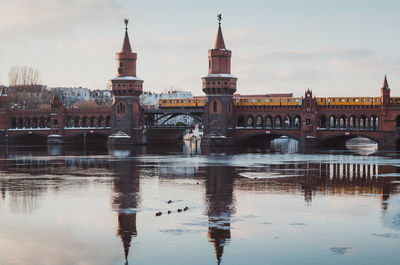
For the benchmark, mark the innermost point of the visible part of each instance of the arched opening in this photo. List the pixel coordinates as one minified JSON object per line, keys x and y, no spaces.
{"x":287,"y":122}
{"x":100,"y":121}
{"x":268,"y":122}
{"x":35,"y":122}
{"x":91,"y":121}
{"x":342,"y":122}
{"x":363,"y":122}
{"x":297,"y":122}
{"x":332,"y":122}
{"x":278,"y":122}
{"x":28,"y":139}
{"x":69,"y":122}
{"x":28,"y":122}
{"x":42,"y":122}
{"x":97,"y":140}
{"x":108,"y":121}
{"x":272,"y":140}
{"x":352,"y":122}
{"x":13,"y":123}
{"x":259,"y":122}
{"x":20,"y":123}
{"x":250,"y":122}
{"x":84,"y":121}
{"x":240,"y":121}
{"x":342,"y":141}
{"x":398,"y":121}
{"x":373,"y":125}
{"x":121,"y":108}
{"x":76,"y":121}
{"x":322,"y":122}
{"x":215,"y":104}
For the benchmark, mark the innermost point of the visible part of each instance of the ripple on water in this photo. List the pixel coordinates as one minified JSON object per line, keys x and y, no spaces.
{"x":340,"y":250}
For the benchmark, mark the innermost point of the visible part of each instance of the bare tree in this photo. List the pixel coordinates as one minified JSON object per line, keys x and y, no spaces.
{"x":23,"y":76}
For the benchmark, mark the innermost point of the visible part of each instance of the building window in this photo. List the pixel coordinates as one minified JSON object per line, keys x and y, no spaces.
{"x":215,"y":106}
{"x":121,"y":108}
{"x":121,"y":64}
{"x":209,"y":64}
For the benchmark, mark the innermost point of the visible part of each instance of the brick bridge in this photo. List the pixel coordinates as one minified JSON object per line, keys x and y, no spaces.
{"x":226,"y":120}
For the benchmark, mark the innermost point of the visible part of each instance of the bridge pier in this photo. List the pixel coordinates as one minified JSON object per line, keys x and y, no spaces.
{"x":388,"y":141}
{"x":308,"y":144}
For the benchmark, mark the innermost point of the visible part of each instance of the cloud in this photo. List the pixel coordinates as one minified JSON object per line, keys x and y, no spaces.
{"x":40,"y":18}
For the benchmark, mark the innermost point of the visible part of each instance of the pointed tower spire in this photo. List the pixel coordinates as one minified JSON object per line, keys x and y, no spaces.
{"x":385,"y":83}
{"x":126,"y":46}
{"x":219,"y":41}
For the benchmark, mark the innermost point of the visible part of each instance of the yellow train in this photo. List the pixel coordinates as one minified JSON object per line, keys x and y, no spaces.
{"x":354,"y":101}
{"x":272,"y":101}
{"x":181,"y":103}
{"x":267,"y":101}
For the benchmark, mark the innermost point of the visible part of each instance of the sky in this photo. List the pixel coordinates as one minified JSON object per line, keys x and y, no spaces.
{"x":335,"y":48}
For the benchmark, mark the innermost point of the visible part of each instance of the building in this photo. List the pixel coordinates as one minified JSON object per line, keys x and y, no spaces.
{"x":101,"y":96}
{"x":28,"y":96}
{"x":71,"y":95}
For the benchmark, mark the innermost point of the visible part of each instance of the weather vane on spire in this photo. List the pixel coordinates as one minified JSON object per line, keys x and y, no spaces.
{"x":219,"y":17}
{"x":126,"y":23}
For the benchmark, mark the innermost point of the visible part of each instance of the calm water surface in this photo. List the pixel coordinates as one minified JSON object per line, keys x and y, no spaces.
{"x":248,"y":206}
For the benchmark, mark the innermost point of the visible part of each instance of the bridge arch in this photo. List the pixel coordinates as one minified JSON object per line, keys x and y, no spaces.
{"x":28,"y":138}
{"x":260,"y":137}
{"x":340,"y":139}
{"x":92,"y":138}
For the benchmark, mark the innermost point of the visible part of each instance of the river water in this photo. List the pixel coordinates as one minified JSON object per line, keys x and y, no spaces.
{"x":65,"y":205}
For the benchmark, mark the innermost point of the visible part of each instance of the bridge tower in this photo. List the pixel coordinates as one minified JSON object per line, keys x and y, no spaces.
{"x":3,"y":115}
{"x":387,"y":121}
{"x":126,"y":113}
{"x":308,"y":121}
{"x":57,"y":122}
{"x":219,"y":86}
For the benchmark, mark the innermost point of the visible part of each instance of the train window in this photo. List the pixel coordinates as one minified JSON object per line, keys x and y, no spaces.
{"x":342,"y":100}
{"x":245,"y":100}
{"x":376,"y":99}
{"x":363,"y":99}
{"x":252,"y":100}
{"x":265,"y":100}
{"x":356,"y":100}
{"x":288,"y":100}
{"x":258,"y":100}
{"x":170,"y":101}
{"x":348,"y":100}
{"x":182,"y":101}
{"x":369,"y":100}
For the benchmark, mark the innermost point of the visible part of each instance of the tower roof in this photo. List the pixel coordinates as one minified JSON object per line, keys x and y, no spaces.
{"x":219,"y":41}
{"x":126,"y":46}
{"x":385,"y":83}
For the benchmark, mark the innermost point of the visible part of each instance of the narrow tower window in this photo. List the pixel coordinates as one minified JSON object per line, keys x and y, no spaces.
{"x":215,"y":106}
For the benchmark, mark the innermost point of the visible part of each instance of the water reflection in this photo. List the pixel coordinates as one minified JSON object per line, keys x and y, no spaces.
{"x":125,"y":200}
{"x":29,"y":178}
{"x":220,"y":206}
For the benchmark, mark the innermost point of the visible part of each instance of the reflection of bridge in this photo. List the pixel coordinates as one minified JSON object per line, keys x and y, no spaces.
{"x":226,"y":120}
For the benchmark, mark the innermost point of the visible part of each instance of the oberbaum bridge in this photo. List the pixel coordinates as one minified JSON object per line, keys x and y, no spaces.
{"x":226,"y":120}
